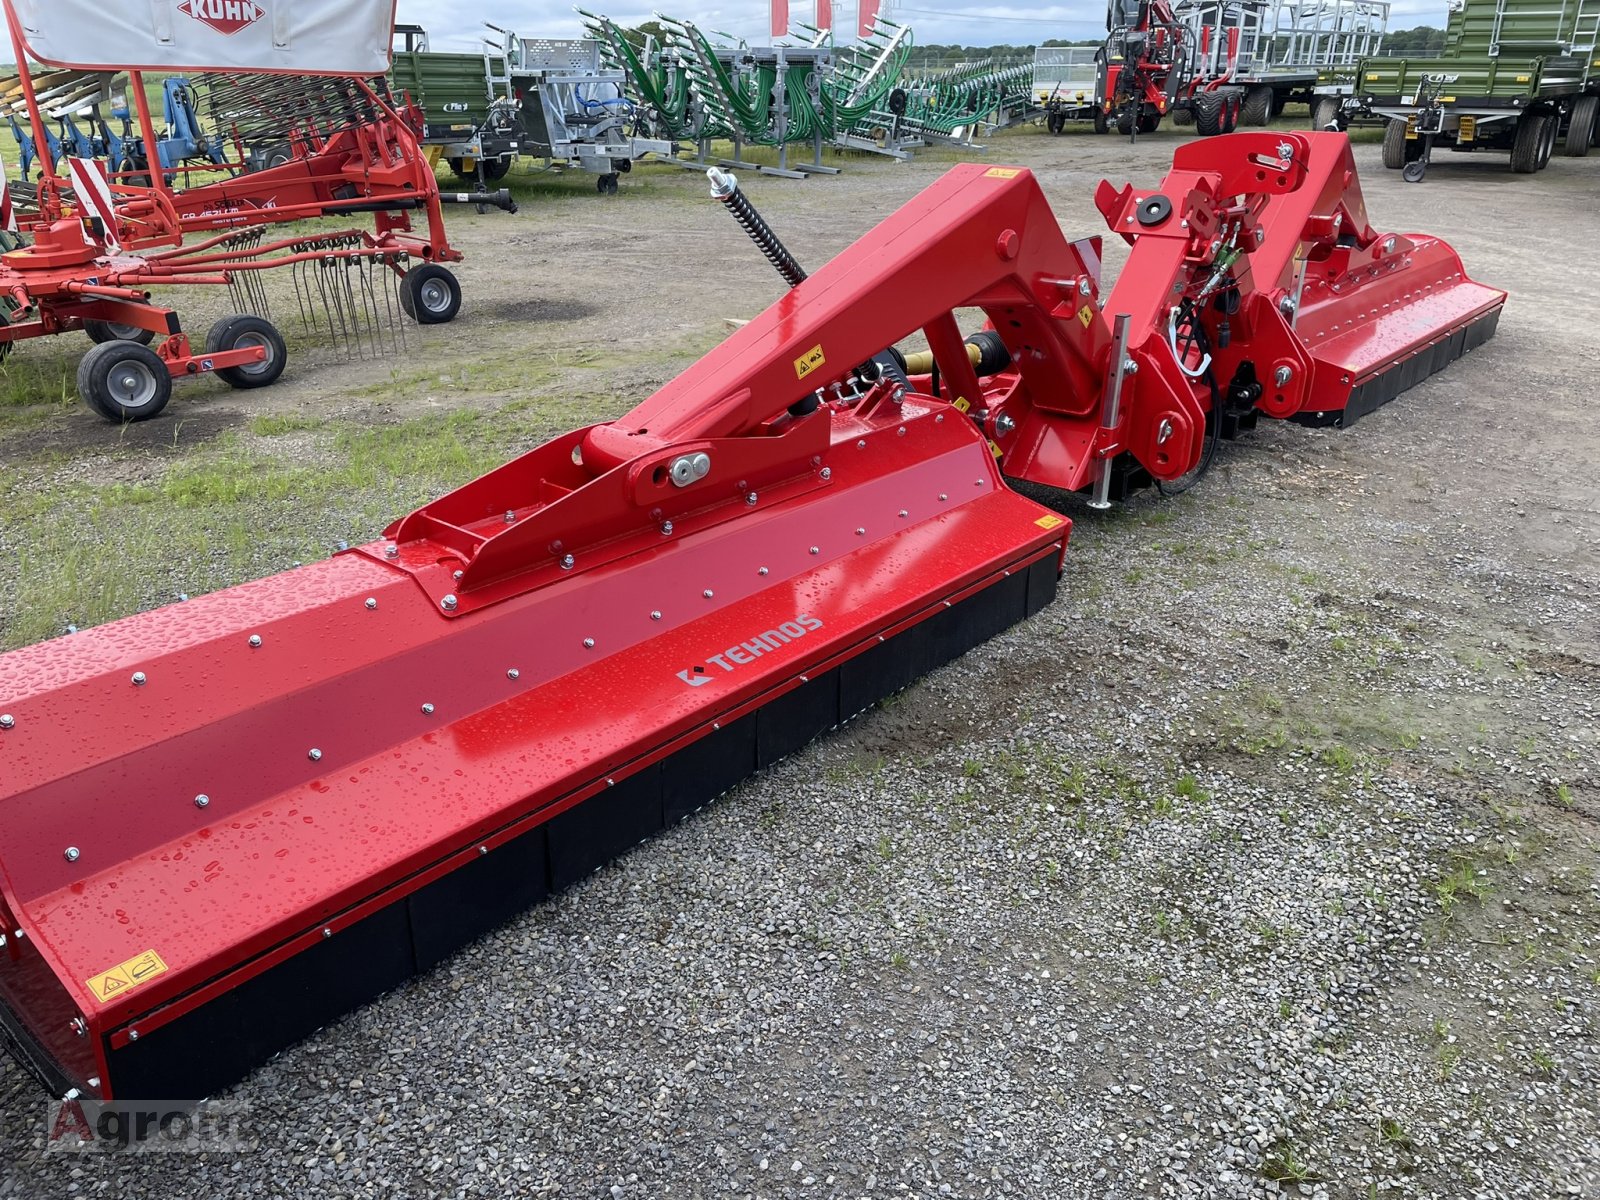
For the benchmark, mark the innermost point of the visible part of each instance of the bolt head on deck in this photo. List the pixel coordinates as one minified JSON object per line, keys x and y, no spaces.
{"x":513,"y":674}
{"x":139,"y":679}
{"x":202,"y":800}
{"x":314,"y":754}
{"x":70,"y":854}
{"x":7,"y":721}
{"x":427,"y":710}
{"x":588,"y":643}
{"x":827,"y":473}
{"x":568,"y":562}
{"x":708,"y":593}
{"x":372,"y":602}
{"x":750,"y":499}
{"x":391,"y":551}
{"x":255,"y":641}
{"x":449,"y":602}
{"x":666,"y":529}
{"x":655,"y":614}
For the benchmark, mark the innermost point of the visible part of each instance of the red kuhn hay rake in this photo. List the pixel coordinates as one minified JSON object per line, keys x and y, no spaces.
{"x":230,"y":820}
{"x":318,"y":142}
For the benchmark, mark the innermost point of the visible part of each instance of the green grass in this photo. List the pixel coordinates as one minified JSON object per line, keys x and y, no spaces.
{"x":231,"y":510}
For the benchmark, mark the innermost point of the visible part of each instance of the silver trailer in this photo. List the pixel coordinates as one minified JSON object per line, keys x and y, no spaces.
{"x":572,"y":110}
{"x":1279,"y":51}
{"x":1064,"y":83}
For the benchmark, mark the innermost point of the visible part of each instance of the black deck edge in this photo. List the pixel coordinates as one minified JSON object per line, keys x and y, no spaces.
{"x":220,"y":1042}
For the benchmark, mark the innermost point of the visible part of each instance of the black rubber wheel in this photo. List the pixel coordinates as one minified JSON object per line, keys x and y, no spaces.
{"x":124,"y":381}
{"x":1055,"y":122}
{"x":1101,"y":125}
{"x":1325,"y":112}
{"x":1413,"y":172}
{"x":1257,"y":106}
{"x":1149,"y":119}
{"x":276,"y":155}
{"x":430,"y":294}
{"x":101,"y":332}
{"x":1529,"y":142}
{"x":1232,"y":101}
{"x":1394,"y":144}
{"x":1580,"y":127}
{"x":129,"y":180}
{"x":232,"y":333}
{"x":1208,"y":108}
{"x":1183,"y":116}
{"x":1125,"y":120}
{"x":495,"y":168}
{"x":1547,"y":147}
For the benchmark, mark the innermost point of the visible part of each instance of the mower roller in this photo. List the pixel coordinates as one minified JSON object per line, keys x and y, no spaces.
{"x":230,"y":820}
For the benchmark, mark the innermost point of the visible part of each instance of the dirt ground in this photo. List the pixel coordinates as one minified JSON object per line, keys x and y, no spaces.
{"x":1262,"y":862}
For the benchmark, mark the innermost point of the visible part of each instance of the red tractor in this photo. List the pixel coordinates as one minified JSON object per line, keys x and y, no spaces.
{"x":1153,"y":64}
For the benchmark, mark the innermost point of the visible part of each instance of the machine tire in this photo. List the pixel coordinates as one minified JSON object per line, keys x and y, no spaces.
{"x":1529,"y":142}
{"x":1547,"y":147}
{"x":430,"y":294}
{"x":1055,"y":122}
{"x":232,"y":332}
{"x":1183,"y":116}
{"x":101,"y":332}
{"x":276,"y":155}
{"x":1125,"y":120}
{"x":1208,"y":112}
{"x":124,"y":381}
{"x":1232,"y":102}
{"x":1149,"y":120}
{"x":495,"y":169}
{"x":1256,"y":108}
{"x":1101,"y":125}
{"x":1394,"y":145}
{"x":125,"y":169}
{"x":1324,"y":112}
{"x":1580,"y":127}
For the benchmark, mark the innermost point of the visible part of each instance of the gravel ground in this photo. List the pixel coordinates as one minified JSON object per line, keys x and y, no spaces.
{"x":1261,"y":863}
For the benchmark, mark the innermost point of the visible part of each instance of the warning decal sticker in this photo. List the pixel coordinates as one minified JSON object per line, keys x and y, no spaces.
{"x":108,"y":985}
{"x":809,"y":361}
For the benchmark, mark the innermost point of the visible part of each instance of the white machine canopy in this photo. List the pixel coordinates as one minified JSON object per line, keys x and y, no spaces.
{"x":299,"y":37}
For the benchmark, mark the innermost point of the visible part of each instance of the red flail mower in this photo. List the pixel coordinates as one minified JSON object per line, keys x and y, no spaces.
{"x":230,"y":820}
{"x":319,"y":142}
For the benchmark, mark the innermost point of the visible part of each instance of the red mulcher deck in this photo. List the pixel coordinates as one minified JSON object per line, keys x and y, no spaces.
{"x":230,"y":820}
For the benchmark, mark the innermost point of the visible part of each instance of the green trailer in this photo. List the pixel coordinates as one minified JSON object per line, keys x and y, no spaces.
{"x":1517,"y":76}
{"x":473,"y":124}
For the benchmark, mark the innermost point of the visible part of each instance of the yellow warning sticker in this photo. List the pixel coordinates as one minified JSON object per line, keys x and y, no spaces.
{"x":961,"y":404}
{"x":994,"y":448}
{"x":1050,"y":521}
{"x":1086,"y":315}
{"x":809,"y":361}
{"x":1002,"y":172}
{"x":142,"y":968}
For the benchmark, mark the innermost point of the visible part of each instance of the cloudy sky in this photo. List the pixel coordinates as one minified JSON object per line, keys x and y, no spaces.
{"x":455,"y":24}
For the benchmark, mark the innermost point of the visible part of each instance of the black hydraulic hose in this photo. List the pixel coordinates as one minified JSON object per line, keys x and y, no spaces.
{"x":725,"y":187}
